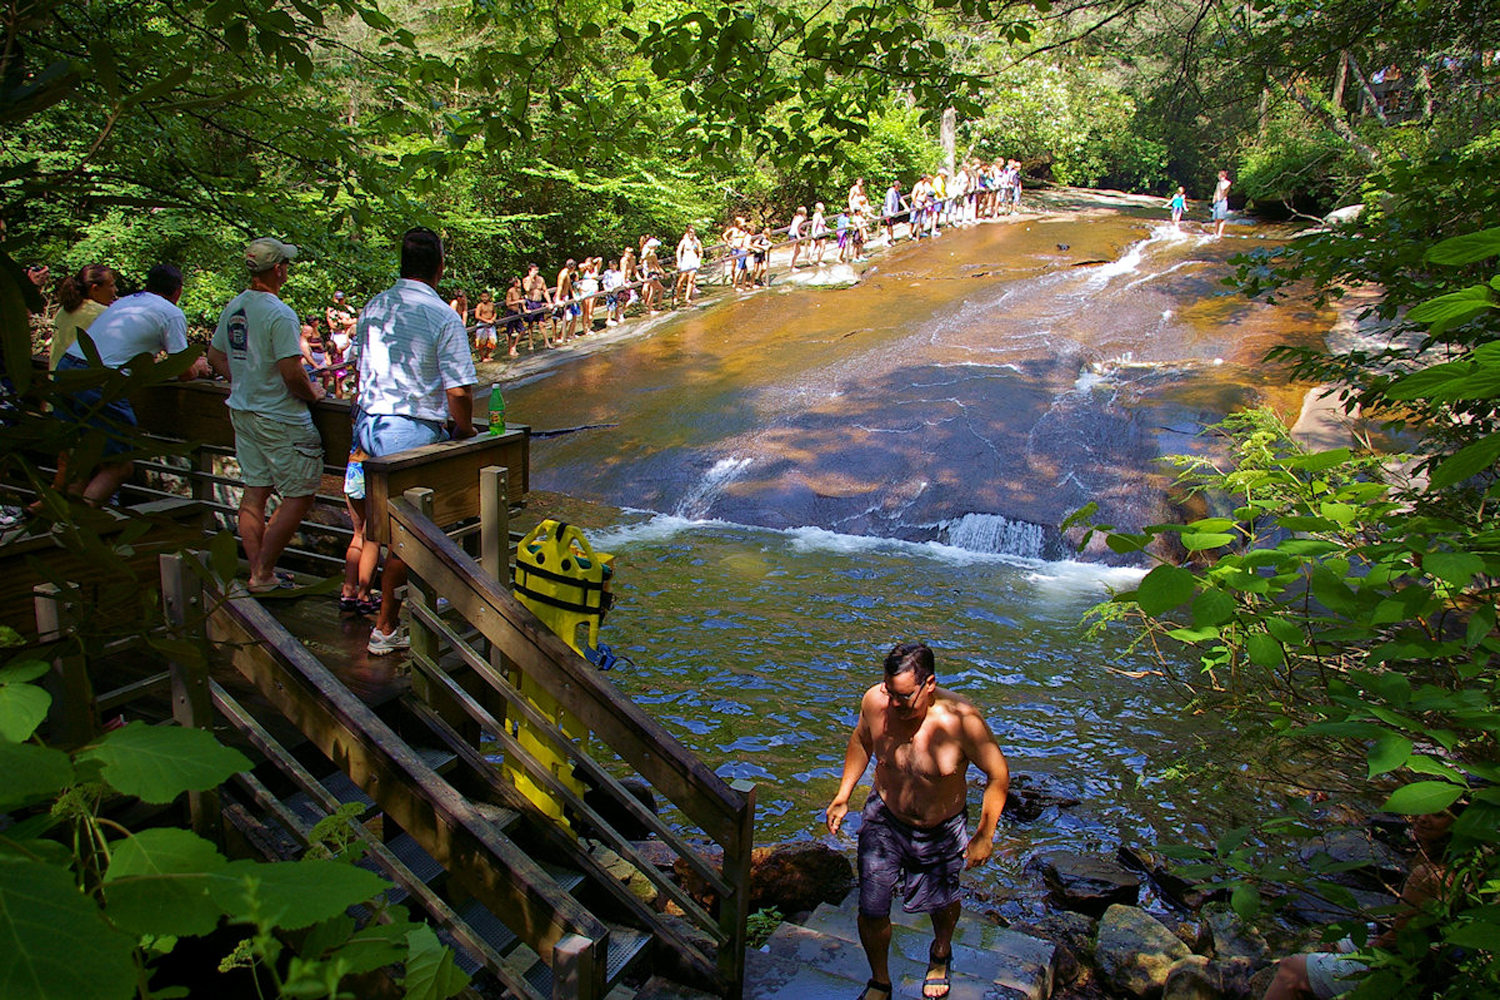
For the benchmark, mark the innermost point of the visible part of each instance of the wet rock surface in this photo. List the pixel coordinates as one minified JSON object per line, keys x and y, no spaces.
{"x":1134,"y":952}
{"x":1088,"y":883}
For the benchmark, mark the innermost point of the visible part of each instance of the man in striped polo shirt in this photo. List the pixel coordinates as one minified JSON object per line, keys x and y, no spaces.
{"x":416,"y":387}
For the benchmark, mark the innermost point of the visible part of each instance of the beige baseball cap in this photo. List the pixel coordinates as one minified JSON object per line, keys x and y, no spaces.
{"x":266,"y":252}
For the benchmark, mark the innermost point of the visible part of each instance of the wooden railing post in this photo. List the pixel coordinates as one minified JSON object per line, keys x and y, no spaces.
{"x":734,"y":914}
{"x":577,"y":969}
{"x":72,"y":718}
{"x":494,"y":521}
{"x":192,"y":704}
{"x":420,"y":593}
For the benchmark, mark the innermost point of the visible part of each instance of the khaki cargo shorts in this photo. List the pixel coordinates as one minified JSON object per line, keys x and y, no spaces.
{"x":286,"y":457}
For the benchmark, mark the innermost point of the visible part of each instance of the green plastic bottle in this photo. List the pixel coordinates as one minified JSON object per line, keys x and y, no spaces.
{"x":497,"y":410}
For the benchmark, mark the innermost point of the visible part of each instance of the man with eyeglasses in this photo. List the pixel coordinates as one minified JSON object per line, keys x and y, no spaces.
{"x":914,"y":830}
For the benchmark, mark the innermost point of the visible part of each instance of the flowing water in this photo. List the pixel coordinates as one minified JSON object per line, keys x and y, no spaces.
{"x":799,"y":478}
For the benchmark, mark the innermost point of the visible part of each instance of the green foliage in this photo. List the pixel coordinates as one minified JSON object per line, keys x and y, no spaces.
{"x":761,"y":925}
{"x":1340,"y":618}
{"x":124,"y":898}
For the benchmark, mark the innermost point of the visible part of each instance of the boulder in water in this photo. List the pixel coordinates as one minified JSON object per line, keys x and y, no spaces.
{"x":1088,"y":883}
{"x":1225,"y":936}
{"x":1026,"y":801}
{"x":1134,"y":952}
{"x":1344,"y":216}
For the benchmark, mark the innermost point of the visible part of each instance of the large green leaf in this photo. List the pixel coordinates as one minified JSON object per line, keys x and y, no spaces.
{"x":1457,"y":568}
{"x":1213,"y":607}
{"x":1388,"y":753}
{"x":1423,"y":797}
{"x":29,"y":773}
{"x":1164,"y":588}
{"x":430,"y":972}
{"x":54,"y":943}
{"x":23,"y":705}
{"x":158,"y":880}
{"x":1453,"y":308}
{"x":159,"y":763}
{"x":292,"y":894}
{"x":1466,"y":249}
{"x":1467,"y":461}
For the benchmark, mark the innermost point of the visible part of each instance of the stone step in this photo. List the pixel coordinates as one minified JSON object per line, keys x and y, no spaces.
{"x":982,"y":950}
{"x":824,"y":953}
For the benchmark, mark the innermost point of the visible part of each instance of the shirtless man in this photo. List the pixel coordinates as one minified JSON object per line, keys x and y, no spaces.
{"x":538,"y":299}
{"x":914,"y":829}
{"x":570,"y":311}
{"x":484,"y":330}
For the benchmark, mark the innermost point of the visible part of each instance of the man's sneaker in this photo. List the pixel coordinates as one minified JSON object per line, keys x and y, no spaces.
{"x":382,"y":643}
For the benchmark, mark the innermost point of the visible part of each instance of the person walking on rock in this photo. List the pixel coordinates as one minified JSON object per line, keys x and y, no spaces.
{"x":914,"y":829}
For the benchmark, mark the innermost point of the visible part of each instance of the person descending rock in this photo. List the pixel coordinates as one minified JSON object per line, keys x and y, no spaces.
{"x":914,"y":824}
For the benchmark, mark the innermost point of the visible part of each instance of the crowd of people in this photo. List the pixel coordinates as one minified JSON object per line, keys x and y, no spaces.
{"x":559,"y":309}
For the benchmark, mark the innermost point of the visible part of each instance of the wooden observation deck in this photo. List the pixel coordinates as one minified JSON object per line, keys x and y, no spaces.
{"x":411,"y":744}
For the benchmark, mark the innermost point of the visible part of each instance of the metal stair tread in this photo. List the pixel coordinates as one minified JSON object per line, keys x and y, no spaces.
{"x":410,"y":853}
{"x":339,"y":786}
{"x":501,"y":938}
{"x":625,"y":946}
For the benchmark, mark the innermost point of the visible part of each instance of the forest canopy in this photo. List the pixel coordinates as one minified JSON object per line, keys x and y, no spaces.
{"x":138,"y":131}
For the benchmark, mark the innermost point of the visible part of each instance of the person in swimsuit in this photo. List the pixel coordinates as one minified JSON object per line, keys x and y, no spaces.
{"x":515,"y":307}
{"x":484,"y":328}
{"x":819,"y":233}
{"x":1178,"y":205}
{"x":538,"y":299}
{"x":689,"y":259}
{"x":569,"y":311}
{"x":760,"y":248}
{"x":588,"y":287}
{"x":794,"y":233}
{"x":915,"y":823}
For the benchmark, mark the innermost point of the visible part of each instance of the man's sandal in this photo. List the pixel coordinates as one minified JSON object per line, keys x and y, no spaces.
{"x":939,"y":970}
{"x":883,"y":991}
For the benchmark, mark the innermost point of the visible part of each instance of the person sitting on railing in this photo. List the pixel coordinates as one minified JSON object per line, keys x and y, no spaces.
{"x":415,"y":371}
{"x":257,"y":347}
{"x":147,"y":322}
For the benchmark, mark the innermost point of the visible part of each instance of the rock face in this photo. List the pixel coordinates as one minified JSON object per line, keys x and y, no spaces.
{"x":1225,"y":936}
{"x":1191,"y":978}
{"x":797,"y":877}
{"x":1089,"y":884}
{"x":1134,"y":952}
{"x":1073,"y":935}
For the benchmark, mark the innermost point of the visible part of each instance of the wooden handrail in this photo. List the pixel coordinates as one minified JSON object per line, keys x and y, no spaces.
{"x":425,"y":805}
{"x":450,"y":469}
{"x":577,"y":685}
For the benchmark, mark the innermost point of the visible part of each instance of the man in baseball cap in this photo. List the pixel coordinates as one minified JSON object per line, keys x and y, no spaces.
{"x":266,"y":252}
{"x":258,"y":348}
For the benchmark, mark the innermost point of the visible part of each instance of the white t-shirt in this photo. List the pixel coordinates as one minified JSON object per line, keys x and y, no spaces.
{"x":143,"y":323}
{"x":413,"y":349}
{"x":256,"y":330}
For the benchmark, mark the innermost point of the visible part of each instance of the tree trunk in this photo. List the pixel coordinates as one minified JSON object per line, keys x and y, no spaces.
{"x":1340,"y":77}
{"x":1335,"y":124}
{"x":1424,"y":84}
{"x":1370,"y":100}
{"x":950,"y":138}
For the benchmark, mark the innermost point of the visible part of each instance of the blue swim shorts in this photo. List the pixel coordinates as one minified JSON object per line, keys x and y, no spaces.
{"x":925,"y":862}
